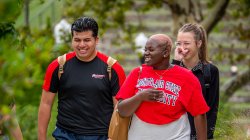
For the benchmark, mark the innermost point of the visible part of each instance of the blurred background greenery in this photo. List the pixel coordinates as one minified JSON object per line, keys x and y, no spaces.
{"x":27,"y":46}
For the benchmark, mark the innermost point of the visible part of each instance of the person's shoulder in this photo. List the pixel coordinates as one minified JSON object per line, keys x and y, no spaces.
{"x":116,"y":66}
{"x":184,"y":73}
{"x":102,"y":56}
{"x":137,"y":70}
{"x":55,"y":63}
{"x":70,"y":55}
{"x":183,"y":70}
{"x":213,"y":67}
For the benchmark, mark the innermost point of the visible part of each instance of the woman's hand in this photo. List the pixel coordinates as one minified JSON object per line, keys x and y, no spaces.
{"x":151,"y":94}
{"x":179,"y":53}
{"x":128,"y":106}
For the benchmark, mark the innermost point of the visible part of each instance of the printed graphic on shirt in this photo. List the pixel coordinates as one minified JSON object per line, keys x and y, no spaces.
{"x":98,"y":76}
{"x":170,"y":86}
{"x":169,"y":98}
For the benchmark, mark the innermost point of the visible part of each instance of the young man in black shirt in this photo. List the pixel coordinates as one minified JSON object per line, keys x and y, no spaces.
{"x":85,"y":92}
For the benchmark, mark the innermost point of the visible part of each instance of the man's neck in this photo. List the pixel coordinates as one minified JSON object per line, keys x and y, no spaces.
{"x":90,"y":58}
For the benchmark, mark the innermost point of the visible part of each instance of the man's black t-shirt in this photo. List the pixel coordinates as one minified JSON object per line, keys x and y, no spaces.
{"x":85,"y":103}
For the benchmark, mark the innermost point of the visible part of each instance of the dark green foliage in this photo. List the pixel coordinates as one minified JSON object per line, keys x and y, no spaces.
{"x":24,"y":57}
{"x":7,"y":28}
{"x":241,"y":8}
{"x":10,"y":9}
{"x":110,"y":13}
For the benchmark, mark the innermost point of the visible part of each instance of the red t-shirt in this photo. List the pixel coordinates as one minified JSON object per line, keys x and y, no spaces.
{"x":182,"y":94}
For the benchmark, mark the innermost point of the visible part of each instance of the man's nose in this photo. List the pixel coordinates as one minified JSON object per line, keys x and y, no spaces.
{"x":81,"y":43}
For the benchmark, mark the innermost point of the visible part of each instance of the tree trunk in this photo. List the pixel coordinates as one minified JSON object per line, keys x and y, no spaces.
{"x":190,"y":11}
{"x":234,"y":84}
{"x":215,"y":15}
{"x":184,"y":12}
{"x":26,"y":13}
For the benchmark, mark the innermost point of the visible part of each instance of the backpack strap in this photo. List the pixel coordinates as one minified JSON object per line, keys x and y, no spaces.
{"x":207,"y":76}
{"x":61,"y":61}
{"x":111,"y":61}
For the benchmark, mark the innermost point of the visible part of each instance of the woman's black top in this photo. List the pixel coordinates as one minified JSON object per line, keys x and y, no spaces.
{"x":208,"y":75}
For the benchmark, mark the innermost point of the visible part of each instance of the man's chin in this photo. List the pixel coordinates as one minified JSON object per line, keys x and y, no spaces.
{"x":82,"y":55}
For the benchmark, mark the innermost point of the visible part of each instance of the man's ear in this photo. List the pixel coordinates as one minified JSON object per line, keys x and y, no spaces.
{"x":97,"y":40}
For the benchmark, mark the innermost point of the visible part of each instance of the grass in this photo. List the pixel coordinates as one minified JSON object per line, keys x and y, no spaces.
{"x":231,"y":124}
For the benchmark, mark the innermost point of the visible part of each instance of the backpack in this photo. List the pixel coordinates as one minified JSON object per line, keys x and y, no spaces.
{"x":207,"y":76}
{"x":62,"y":60}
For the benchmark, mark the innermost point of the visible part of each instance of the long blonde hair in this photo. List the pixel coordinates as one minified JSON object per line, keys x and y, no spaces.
{"x":199,"y":34}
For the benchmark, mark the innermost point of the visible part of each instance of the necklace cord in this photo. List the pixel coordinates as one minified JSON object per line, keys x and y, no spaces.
{"x":161,"y":75}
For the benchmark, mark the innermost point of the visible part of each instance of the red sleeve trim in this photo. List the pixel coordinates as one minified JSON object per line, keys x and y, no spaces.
{"x":50,"y":70}
{"x":48,"y":76}
{"x":202,"y":111}
{"x":117,"y":67}
{"x":70,"y":55}
{"x":120,"y":72}
{"x":128,"y":89}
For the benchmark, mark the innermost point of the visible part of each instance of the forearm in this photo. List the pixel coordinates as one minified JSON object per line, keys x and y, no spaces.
{"x":43,"y":120}
{"x":200,"y":123}
{"x":16,"y":133}
{"x":14,"y":129}
{"x":128,"y":106}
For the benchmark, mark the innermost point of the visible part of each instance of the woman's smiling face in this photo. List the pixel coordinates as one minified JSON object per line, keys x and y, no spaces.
{"x":187,"y":45}
{"x":154,"y":53}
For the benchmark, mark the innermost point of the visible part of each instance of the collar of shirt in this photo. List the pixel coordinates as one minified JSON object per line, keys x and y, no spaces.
{"x":198,"y":67}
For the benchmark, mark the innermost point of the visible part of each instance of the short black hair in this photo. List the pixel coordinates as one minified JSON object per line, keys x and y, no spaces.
{"x":85,"y":24}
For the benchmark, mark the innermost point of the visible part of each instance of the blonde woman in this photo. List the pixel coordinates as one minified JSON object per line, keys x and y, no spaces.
{"x":191,"y":53}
